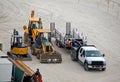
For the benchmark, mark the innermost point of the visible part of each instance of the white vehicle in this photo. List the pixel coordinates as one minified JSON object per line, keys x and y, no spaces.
{"x":90,"y":57}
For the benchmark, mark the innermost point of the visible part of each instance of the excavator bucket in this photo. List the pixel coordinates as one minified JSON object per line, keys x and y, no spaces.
{"x":51,"y":58}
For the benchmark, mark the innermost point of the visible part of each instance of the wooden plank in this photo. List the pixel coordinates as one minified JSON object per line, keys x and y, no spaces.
{"x":22,"y":66}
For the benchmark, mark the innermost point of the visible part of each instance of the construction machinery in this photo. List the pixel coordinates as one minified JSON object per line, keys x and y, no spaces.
{"x":30,"y":32}
{"x":41,"y":47}
{"x":19,"y":50}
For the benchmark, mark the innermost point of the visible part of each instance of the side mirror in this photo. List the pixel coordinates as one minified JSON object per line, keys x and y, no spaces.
{"x":103,"y":55}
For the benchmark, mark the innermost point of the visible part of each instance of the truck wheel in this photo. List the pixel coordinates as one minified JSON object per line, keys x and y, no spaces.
{"x":73,"y":59}
{"x":86,"y":67}
{"x":58,"y":44}
{"x":103,"y":69}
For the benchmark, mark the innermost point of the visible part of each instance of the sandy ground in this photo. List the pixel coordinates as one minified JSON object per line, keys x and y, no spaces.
{"x":92,"y":17}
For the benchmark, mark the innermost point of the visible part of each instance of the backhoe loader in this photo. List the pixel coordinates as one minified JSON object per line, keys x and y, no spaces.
{"x":39,"y":45}
{"x":43,"y":49}
{"x":30,"y":31}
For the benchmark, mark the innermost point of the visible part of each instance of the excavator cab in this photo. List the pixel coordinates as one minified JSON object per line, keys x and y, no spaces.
{"x":16,"y":41}
{"x":48,"y":48}
{"x":35,"y":23}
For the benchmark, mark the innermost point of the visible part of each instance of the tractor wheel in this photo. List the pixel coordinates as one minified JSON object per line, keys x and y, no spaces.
{"x":38,"y":54}
{"x":32,"y":51}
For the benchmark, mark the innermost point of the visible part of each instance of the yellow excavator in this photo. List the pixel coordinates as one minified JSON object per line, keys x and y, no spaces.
{"x":39,"y":45}
{"x":19,"y":50}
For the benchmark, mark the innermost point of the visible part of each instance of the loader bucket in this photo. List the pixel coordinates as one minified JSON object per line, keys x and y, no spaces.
{"x":51,"y":58}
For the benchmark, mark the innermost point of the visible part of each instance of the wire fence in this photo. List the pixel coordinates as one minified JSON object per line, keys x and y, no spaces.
{"x":110,"y":6}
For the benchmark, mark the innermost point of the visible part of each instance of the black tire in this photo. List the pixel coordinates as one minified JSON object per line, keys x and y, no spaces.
{"x":86,"y":67}
{"x":73,"y":59}
{"x":38,"y":56}
{"x":103,"y":69}
{"x":32,"y":51}
{"x":58,"y":44}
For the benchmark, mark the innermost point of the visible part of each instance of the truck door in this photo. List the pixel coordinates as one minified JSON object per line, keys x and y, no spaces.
{"x":81,"y":55}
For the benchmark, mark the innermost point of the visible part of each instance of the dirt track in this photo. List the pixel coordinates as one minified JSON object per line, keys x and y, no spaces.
{"x":90,"y":17}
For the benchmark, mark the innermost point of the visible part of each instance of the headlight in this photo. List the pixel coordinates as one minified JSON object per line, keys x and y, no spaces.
{"x":89,"y":62}
{"x":49,"y":60}
{"x":104,"y":62}
{"x":54,"y":60}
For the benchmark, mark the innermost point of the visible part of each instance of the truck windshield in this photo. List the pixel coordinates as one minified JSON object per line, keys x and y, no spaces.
{"x":93,"y":54}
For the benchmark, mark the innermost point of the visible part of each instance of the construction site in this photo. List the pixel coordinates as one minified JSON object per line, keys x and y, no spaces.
{"x":59,"y":41}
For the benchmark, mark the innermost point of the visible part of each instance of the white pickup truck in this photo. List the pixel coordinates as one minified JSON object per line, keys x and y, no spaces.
{"x":89,"y":56}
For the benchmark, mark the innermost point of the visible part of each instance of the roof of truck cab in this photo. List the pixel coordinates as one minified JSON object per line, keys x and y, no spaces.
{"x":89,"y":48}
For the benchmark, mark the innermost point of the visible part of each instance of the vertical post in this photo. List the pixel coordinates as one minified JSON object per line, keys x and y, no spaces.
{"x":79,"y":35}
{"x":60,"y":36}
{"x":49,"y":37}
{"x":68,"y":28}
{"x":113,"y":5}
{"x":73,"y":33}
{"x":52,"y":28}
{"x":32,"y":13}
{"x":108,"y":2}
{"x":40,"y":22}
{"x":118,"y":10}
{"x":98,"y":3}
